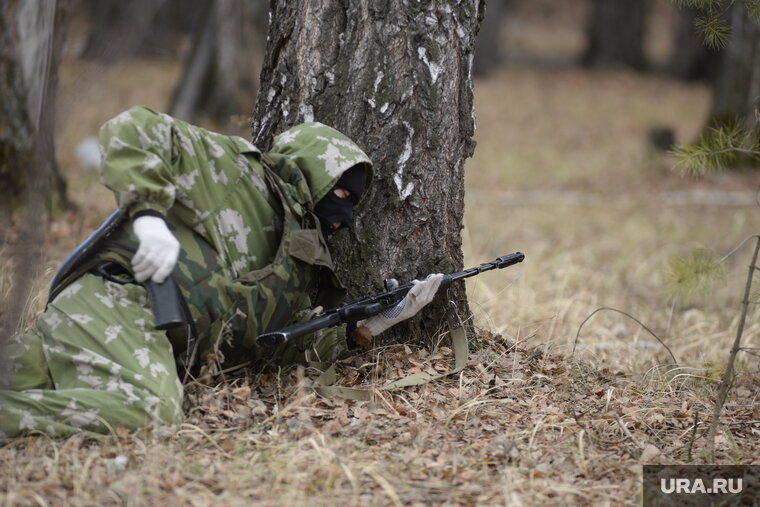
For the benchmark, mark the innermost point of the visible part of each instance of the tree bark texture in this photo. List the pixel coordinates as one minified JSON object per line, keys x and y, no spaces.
{"x":738,"y":84}
{"x":31,"y":41}
{"x":395,"y":76}
{"x":16,"y":129}
{"x":31,"y":38}
{"x":615,"y":34}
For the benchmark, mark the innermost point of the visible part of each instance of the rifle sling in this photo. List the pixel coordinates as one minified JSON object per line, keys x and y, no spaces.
{"x":326,"y":381}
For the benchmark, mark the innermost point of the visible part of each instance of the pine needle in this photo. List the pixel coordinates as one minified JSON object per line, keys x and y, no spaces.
{"x":717,"y":149}
{"x":690,"y":275}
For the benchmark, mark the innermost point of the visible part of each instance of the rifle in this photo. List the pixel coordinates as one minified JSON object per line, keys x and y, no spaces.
{"x":354,"y":311}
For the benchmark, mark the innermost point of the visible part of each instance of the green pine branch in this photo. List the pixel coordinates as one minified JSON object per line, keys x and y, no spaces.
{"x":688,"y":276}
{"x":712,"y":23}
{"x":718,"y":149}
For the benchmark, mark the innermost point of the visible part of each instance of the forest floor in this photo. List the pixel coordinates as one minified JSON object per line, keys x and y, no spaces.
{"x":562,"y":172}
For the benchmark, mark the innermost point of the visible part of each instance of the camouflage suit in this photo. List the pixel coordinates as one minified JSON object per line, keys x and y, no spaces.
{"x":252,"y":259}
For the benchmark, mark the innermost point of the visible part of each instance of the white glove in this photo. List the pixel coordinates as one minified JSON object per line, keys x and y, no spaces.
{"x":158,"y":250}
{"x":418,"y":296}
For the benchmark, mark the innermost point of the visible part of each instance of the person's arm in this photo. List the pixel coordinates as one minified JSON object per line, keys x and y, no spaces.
{"x":153,"y":162}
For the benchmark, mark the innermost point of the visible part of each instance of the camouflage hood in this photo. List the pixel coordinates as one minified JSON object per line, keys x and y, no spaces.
{"x":323,"y":154}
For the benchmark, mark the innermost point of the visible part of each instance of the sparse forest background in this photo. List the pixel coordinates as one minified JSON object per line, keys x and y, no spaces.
{"x":603,"y":351}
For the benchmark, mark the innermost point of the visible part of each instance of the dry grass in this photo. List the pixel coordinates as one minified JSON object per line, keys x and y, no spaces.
{"x":562,"y":172}
{"x":599,"y":216}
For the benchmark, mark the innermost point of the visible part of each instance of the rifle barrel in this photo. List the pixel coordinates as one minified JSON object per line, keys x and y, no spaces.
{"x":371,"y":305}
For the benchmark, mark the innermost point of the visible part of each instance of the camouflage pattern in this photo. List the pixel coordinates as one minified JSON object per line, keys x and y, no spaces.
{"x":78,"y":371}
{"x":252,"y":259}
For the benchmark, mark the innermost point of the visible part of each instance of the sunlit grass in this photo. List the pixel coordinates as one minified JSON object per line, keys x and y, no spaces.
{"x":563,"y":173}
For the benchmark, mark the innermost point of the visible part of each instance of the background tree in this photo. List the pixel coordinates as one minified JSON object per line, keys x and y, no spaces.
{"x":732,"y":134}
{"x":615,"y":34}
{"x":119,"y":28}
{"x":31,"y":41}
{"x":221,"y":74}
{"x":395,"y":77}
{"x":692,"y":59}
{"x":489,"y":54}
{"x":738,"y":84}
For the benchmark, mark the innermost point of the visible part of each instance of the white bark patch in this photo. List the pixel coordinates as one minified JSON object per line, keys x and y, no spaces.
{"x":307,"y":112}
{"x":284,"y":107}
{"x":434,"y":68}
{"x":378,"y":80}
{"x":404,"y":191}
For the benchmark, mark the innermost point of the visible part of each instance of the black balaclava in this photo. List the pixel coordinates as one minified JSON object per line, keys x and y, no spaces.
{"x":332,"y":208}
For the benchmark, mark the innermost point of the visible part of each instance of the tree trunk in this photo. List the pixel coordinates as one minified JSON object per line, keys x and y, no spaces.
{"x":616,"y":34}
{"x":31,"y":38}
{"x":31,"y":41}
{"x":738,"y":84}
{"x":488,"y":52}
{"x":692,"y":60}
{"x":395,"y":76}
{"x":118,"y":27}
{"x":221,"y":76}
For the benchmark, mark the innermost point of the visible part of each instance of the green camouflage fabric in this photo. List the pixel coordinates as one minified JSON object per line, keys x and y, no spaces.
{"x":77,"y":370}
{"x":252,"y":259}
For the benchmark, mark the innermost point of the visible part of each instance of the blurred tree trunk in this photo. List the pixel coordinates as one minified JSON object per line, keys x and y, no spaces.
{"x":32,"y":33}
{"x":174,"y":21}
{"x":692,"y":60}
{"x":738,"y":84}
{"x":488,"y":51}
{"x":118,"y":27}
{"x":615,"y":34}
{"x":396,"y":77}
{"x":31,"y":40}
{"x":221,"y":76}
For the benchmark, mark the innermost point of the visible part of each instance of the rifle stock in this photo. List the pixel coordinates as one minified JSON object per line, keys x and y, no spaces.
{"x":365,"y":307}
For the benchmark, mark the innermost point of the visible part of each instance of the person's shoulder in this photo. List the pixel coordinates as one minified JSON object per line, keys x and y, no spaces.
{"x":139,"y":114}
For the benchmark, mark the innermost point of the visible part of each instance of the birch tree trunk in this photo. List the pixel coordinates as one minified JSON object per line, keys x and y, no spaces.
{"x":395,"y":76}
